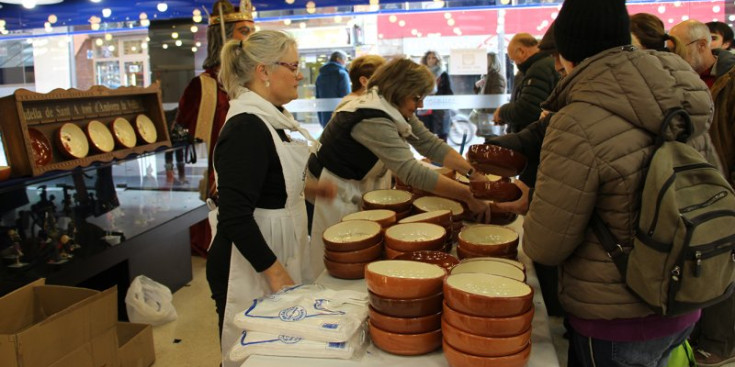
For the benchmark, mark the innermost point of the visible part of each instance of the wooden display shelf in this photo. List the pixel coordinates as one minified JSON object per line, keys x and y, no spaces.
{"x":46,"y":112}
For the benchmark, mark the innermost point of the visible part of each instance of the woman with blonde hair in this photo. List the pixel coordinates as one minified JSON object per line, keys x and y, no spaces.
{"x":648,"y":33}
{"x":371,"y":136}
{"x":259,"y":228}
{"x":360,"y":71}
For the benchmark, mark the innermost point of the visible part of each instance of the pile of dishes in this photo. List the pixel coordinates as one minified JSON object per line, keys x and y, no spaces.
{"x":441,"y":217}
{"x":484,"y":240}
{"x":398,"y":201}
{"x":409,"y":237}
{"x":405,"y":306}
{"x":384,"y":217}
{"x":486,"y":320}
{"x":433,"y":203}
{"x":350,"y":245}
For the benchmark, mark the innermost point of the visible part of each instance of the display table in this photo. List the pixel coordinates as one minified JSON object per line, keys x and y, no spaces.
{"x":542,"y":349}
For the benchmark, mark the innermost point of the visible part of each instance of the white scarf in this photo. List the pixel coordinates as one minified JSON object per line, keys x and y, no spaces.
{"x":372,"y":99}
{"x":250,"y":102}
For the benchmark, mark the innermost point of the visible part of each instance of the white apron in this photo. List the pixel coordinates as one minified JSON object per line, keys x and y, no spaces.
{"x":285,"y":231}
{"x":348,"y":201}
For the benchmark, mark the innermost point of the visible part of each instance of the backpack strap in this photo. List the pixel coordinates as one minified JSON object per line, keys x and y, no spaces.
{"x":670,"y":115}
{"x":615,"y":251}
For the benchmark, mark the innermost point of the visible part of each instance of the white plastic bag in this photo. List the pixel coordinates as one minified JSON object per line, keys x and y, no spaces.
{"x":253,"y":342}
{"x":149,"y":302}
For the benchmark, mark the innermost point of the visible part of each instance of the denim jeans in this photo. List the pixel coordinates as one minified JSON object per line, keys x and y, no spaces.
{"x":589,"y":352}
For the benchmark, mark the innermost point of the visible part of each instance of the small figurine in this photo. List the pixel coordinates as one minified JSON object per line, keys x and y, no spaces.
{"x":15,"y":237}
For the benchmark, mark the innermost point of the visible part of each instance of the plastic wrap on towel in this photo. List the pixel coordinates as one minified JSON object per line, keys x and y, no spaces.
{"x":253,"y":342}
{"x":307,"y":311}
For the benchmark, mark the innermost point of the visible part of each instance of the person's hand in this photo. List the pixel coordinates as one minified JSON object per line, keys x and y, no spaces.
{"x":325,"y":189}
{"x":480,"y":210}
{"x":496,"y":117}
{"x":519,"y":206}
{"x":277,"y":277}
{"x":543,"y":114}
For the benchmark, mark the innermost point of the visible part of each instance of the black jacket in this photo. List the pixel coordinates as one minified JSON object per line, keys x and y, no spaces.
{"x":539,"y":79}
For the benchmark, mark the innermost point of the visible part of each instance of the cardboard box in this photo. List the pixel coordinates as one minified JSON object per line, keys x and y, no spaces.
{"x":44,"y":325}
{"x":135,"y":345}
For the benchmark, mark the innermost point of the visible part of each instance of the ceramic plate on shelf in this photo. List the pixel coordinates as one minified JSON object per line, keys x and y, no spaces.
{"x":146,"y":129}
{"x":100,"y":136}
{"x":41,"y":147}
{"x":72,"y":141}
{"x":124,"y":133}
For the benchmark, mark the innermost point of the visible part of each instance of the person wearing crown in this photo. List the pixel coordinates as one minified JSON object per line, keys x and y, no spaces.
{"x":204,"y":103}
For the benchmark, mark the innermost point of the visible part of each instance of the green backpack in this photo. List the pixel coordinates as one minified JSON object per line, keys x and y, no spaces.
{"x":683,"y":254}
{"x":682,"y":356}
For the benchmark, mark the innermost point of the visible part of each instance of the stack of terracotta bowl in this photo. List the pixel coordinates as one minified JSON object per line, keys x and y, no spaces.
{"x":405,"y":306}
{"x":408,"y":237}
{"x":486,"y":321}
{"x":398,"y":201}
{"x":349,"y":246}
{"x":439,"y":217}
{"x":432,"y":203}
{"x":384,"y":217}
{"x":483,"y":240}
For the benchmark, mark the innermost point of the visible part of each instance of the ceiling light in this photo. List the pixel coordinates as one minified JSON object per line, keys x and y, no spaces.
{"x":99,"y":42}
{"x":162,"y":7}
{"x":196,"y":12}
{"x":175,"y":35}
{"x":289,"y":2}
{"x":194,"y":29}
{"x":194,"y":49}
{"x":108,"y":36}
{"x":106,"y":12}
{"x":95,"y":26}
{"x":178,"y":42}
{"x":111,"y":48}
{"x":302,"y":25}
{"x":52,"y":19}
{"x":29,"y":4}
{"x":95,"y":1}
{"x":287,"y":21}
{"x":145,"y":22}
{"x":197,"y":18}
{"x":198,"y":44}
{"x":165,"y":46}
{"x":144,"y":46}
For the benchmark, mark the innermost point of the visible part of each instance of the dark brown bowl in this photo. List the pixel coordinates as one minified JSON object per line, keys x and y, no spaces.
{"x":345,"y":270}
{"x":488,"y":326}
{"x":405,"y":325}
{"x":440,"y":258}
{"x":457,"y":358}
{"x":488,"y":158}
{"x":484,"y":346}
{"x":358,"y":256}
{"x":404,"y":279}
{"x":500,"y":191}
{"x":41,"y":147}
{"x":487,"y":295}
{"x":417,"y":307}
{"x":352,"y":235}
{"x":405,"y":344}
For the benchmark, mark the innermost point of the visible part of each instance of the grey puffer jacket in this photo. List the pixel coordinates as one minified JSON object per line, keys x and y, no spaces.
{"x":593,"y":158}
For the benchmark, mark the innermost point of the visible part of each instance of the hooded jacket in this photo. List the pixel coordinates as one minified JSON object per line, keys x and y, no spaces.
{"x":333,"y":81}
{"x":593,"y":159}
{"x":723,"y":124}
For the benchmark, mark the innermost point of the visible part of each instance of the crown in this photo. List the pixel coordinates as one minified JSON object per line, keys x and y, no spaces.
{"x":229,"y":13}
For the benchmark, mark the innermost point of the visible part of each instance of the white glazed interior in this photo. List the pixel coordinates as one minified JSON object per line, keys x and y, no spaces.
{"x":490,"y":267}
{"x":406,"y":269}
{"x":100,"y":136}
{"x":431,"y":203}
{"x":387,"y":197}
{"x":515,"y":263}
{"x":424,"y":216}
{"x":124,"y":132}
{"x":351,"y":231}
{"x":371,"y":215}
{"x":146,"y":129}
{"x":487,"y":234}
{"x":74,"y":140}
{"x":463,"y":179}
{"x":488,"y":285}
{"x":415,"y":232}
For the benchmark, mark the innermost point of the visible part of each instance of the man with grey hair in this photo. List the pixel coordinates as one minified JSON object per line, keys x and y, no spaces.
{"x":714,"y":336}
{"x":333,"y":82}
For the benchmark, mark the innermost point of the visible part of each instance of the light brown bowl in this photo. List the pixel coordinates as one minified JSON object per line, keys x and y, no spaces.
{"x":484,"y":346}
{"x":391,"y":254}
{"x":489,"y":239}
{"x":403,"y":214}
{"x":500,"y":191}
{"x":124,"y":133}
{"x":410,"y":308}
{"x":358,"y":256}
{"x":345,"y":270}
{"x":100,"y":136}
{"x":464,"y":254}
{"x":415,"y":236}
{"x":405,"y":344}
{"x":491,"y":267}
{"x":72,"y":141}
{"x":460,"y":359}
{"x":497,"y":160}
{"x":440,"y":217}
{"x":515,"y":263}
{"x":432,"y":203}
{"x":145,"y":129}
{"x":403,"y":279}
{"x":487,"y":295}
{"x":5,"y":173}
{"x":352,"y":235}
{"x":405,"y":325}
{"x":384,"y":217}
{"x":440,"y":258}
{"x":488,"y":326}
{"x":396,"y":200}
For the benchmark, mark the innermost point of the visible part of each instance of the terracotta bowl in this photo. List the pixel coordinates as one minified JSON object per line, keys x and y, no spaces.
{"x":499,"y":191}
{"x":484,"y":346}
{"x":145,"y":129}
{"x":461,"y":359}
{"x":440,"y":217}
{"x":396,"y":200}
{"x":489,"y":239}
{"x":345,"y":270}
{"x":487,"y":295}
{"x":464,"y":254}
{"x":352,"y":235}
{"x":466,"y":181}
{"x":497,"y":160}
{"x":405,"y":325}
{"x":100,"y":136}
{"x":405,"y":344}
{"x":403,"y":214}
{"x":409,"y":308}
{"x":440,"y":258}
{"x":72,"y":141}
{"x":5,"y":173}
{"x":124,"y":133}
{"x":515,"y":263}
{"x":403,"y":279}
{"x":358,"y":256}
{"x":488,"y":326}
{"x":415,"y":236}
{"x":391,"y":254}
{"x":503,"y":218}
{"x":384,"y":217}
{"x":432,"y":203}
{"x":491,"y":267}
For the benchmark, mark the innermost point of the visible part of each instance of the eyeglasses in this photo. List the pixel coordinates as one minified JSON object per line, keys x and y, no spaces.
{"x":294,"y":67}
{"x":418,"y":98}
{"x":697,"y":40}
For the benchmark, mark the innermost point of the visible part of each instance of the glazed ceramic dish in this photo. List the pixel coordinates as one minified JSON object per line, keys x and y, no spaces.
{"x":403,"y":279}
{"x":441,"y":217}
{"x":146,"y":129}
{"x":488,"y":239}
{"x":515,"y":263}
{"x":484,"y":346}
{"x":396,"y":200}
{"x":487,"y":295}
{"x":415,"y":307}
{"x":391,"y":254}
{"x":41,"y":147}
{"x":500,"y":191}
{"x":352,"y":235}
{"x":488,"y":158}
{"x":405,"y":344}
{"x":457,"y":358}
{"x":124,"y":133}
{"x":463,"y":179}
{"x":488,"y":326}
{"x":100,"y":136}
{"x":405,"y":325}
{"x":384,"y":217}
{"x":431,"y":203}
{"x":490,"y":267}
{"x":72,"y":141}
{"x":415,"y":236}
{"x":440,"y":258}
{"x":358,"y":256}
{"x":464,"y":254}
{"x":345,"y":270}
